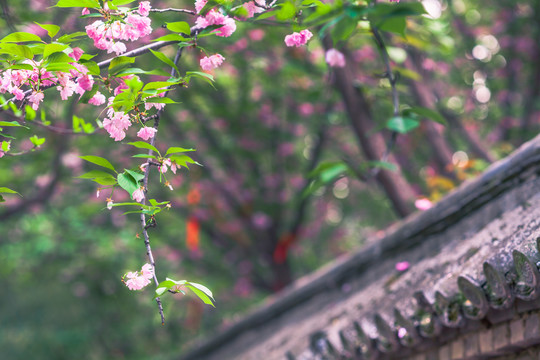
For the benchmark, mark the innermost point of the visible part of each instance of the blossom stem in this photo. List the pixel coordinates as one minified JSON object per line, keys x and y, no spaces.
{"x":145,"y":185}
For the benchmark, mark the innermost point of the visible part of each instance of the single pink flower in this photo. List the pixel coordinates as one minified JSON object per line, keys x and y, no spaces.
{"x":334,"y":58}
{"x":423,"y":204}
{"x":211,"y":62}
{"x":138,"y":195}
{"x":298,"y":39}
{"x":85,"y":11}
{"x":147,"y":271}
{"x":76,"y":53}
{"x":402,"y":266}
{"x":98,"y":99}
{"x":144,"y":8}
{"x":146,"y":133}
{"x":35,"y":99}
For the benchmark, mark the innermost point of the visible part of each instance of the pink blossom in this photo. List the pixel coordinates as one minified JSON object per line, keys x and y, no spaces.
{"x":146,"y":133}
{"x":85,"y":11}
{"x":76,"y":53}
{"x":252,"y":9}
{"x":144,"y":8}
{"x":402,"y":266}
{"x":98,"y":99}
{"x":199,"y":4}
{"x":213,"y":17}
{"x":209,"y":63}
{"x":35,"y":99}
{"x":334,"y":58}
{"x":106,"y":36}
{"x":116,"y":124}
{"x":147,"y":271}
{"x":298,"y":39}
{"x":136,"y":280}
{"x":423,"y":204}
{"x":138,"y":195}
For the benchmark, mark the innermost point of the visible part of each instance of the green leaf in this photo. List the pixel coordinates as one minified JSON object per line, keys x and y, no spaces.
{"x":144,"y":145}
{"x":70,"y":37}
{"x":51,"y":28}
{"x":159,"y":84}
{"x":21,"y":37}
{"x":328,"y":171}
{"x":165,"y":59}
{"x":17,"y":50}
{"x":128,"y":183}
{"x":183,"y":160}
{"x":60,"y":57}
{"x":11,"y":123}
{"x":286,"y":12}
{"x":427,"y":113}
{"x":395,"y":25}
{"x":202,"y":292}
{"x":105,"y":181}
{"x":163,"y":287}
{"x":179,"y":27}
{"x":29,"y":113}
{"x":5,"y":190}
{"x":95,"y":174}
{"x":146,"y":156}
{"x":120,"y":63}
{"x":160,"y":100}
{"x":98,"y":161}
{"x":94,"y":4}
{"x":174,"y":149}
{"x":92,"y":67}
{"x":122,"y":2}
{"x":64,"y":67}
{"x":134,"y":174}
{"x":344,"y":29}
{"x":52,"y":48}
{"x":37,"y":141}
{"x":402,"y":124}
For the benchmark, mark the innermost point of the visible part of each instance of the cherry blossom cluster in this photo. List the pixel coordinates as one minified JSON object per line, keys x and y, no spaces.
{"x":136,"y":280}
{"x":123,"y":24}
{"x":298,"y":39}
{"x":116,"y":123}
{"x":214,"y":17}
{"x":67,"y":83}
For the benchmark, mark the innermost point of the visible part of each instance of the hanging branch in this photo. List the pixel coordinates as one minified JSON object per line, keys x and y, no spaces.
{"x":389,"y":74}
{"x":185,"y":11}
{"x":144,"y":225}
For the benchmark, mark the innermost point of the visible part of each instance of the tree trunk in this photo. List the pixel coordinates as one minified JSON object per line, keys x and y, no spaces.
{"x":373,"y":144}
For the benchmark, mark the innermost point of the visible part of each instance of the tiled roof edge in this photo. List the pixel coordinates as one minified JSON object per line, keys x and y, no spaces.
{"x":409,"y":233}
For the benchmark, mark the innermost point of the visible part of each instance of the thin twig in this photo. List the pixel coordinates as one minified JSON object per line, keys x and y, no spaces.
{"x":191,"y":12}
{"x":145,"y":186}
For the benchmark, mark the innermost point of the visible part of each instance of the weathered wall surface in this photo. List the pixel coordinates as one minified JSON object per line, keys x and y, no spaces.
{"x":471,"y":292}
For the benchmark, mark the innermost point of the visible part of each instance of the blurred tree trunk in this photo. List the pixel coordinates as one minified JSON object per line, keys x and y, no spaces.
{"x":373,"y":144}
